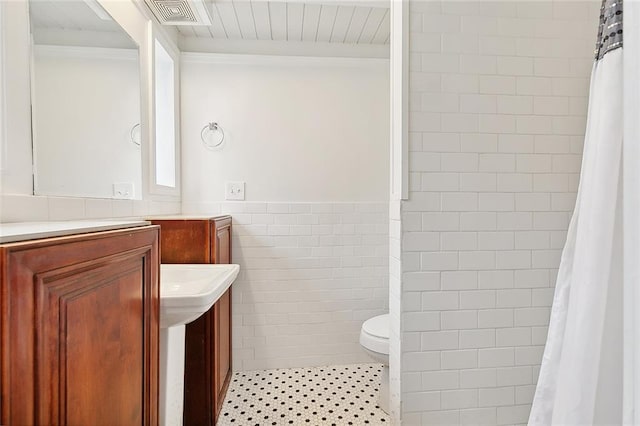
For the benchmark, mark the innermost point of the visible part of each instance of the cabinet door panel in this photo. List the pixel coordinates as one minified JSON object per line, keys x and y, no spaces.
{"x":184,"y":241}
{"x":224,"y":246}
{"x":221,"y":232}
{"x":97,"y":344}
{"x":93,"y":328}
{"x":223,"y":344}
{"x":222,"y":317}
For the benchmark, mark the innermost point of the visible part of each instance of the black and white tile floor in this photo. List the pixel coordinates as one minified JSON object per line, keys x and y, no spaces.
{"x":334,"y":395}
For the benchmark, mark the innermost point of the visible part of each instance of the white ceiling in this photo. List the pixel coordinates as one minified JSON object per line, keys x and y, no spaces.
{"x":358,"y":28}
{"x":67,"y":15}
{"x":294,"y":21}
{"x":75,"y":23}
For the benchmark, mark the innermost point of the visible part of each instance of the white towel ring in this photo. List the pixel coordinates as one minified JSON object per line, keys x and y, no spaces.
{"x":212,"y":127}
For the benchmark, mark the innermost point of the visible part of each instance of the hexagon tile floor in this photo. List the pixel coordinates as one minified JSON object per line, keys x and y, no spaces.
{"x":334,"y":395}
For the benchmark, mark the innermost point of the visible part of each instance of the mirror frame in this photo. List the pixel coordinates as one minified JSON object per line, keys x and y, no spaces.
{"x":3,"y":97}
{"x":16,"y":175}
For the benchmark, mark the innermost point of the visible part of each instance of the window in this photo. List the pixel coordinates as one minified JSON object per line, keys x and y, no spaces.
{"x":165,"y":117}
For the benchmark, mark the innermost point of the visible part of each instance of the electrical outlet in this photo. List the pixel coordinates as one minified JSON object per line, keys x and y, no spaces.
{"x":123,"y":190}
{"x":234,"y":191}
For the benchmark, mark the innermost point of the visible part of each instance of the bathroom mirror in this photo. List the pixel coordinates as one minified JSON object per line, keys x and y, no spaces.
{"x":85,"y":94}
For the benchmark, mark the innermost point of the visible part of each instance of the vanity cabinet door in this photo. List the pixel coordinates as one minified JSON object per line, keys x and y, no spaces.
{"x":80,"y":320}
{"x":222,"y":348}
{"x":222,"y":316}
{"x":221,"y":244}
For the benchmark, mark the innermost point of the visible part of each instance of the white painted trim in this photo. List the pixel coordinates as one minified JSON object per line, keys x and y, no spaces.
{"x":399,"y":72}
{"x":3,"y":101}
{"x":291,"y":61}
{"x":283,"y":48}
{"x":404,"y":193}
{"x":148,"y":124}
{"x":98,"y":10}
{"x":17,"y":175}
{"x":34,"y":116}
{"x":166,"y":42}
{"x":50,"y":51}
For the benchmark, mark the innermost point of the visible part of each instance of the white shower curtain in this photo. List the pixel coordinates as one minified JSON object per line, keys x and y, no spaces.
{"x":631,"y":215}
{"x":583,"y":379}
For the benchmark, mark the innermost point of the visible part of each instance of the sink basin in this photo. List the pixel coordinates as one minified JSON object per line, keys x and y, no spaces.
{"x":187,"y":291}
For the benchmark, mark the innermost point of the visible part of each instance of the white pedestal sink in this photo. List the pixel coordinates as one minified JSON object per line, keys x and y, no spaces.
{"x":186,"y":292}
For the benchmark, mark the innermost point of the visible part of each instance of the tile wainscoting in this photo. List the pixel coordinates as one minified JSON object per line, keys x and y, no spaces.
{"x":30,"y":208}
{"x":311,"y":274}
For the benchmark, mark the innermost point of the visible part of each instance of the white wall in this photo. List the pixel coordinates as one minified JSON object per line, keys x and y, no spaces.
{"x":310,"y":138}
{"x":297,"y":129}
{"x":498,"y":95}
{"x":85,"y":103}
{"x":399,"y":189}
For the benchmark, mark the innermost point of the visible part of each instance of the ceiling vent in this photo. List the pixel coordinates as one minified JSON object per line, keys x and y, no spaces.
{"x":180,"y":12}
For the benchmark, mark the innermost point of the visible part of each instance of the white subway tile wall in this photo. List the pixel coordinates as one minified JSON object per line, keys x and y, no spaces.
{"x":310,"y":275}
{"x":498,"y":95}
{"x":29,"y":208}
{"x":396,"y":301}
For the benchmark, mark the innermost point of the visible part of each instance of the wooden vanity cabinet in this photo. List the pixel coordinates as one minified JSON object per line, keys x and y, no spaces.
{"x":79,"y":329}
{"x":207,"y":339}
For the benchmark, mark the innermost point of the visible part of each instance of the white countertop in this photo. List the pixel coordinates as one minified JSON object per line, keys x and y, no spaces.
{"x":185,"y":217}
{"x":22,"y":231}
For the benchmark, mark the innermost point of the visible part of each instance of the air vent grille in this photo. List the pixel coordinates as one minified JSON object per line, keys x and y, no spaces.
{"x":180,"y":12}
{"x":171,"y":10}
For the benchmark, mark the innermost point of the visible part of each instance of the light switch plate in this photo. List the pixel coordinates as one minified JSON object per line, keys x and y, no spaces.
{"x":234,"y":191}
{"x":123,"y":190}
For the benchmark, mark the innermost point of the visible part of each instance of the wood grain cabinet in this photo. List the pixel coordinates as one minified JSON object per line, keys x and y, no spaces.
{"x":79,"y":332}
{"x":208,"y":339}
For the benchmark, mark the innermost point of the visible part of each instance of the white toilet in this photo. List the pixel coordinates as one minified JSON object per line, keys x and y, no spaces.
{"x":374,"y":338}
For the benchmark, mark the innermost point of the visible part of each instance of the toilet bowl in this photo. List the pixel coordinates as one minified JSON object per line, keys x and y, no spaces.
{"x":374,"y":339}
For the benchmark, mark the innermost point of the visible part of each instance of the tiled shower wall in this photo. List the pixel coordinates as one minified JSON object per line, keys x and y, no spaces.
{"x":498,"y":99}
{"x":310,"y":275}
